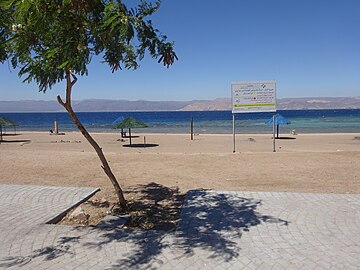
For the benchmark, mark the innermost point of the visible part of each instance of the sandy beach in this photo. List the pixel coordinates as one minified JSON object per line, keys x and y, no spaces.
{"x":325,"y":163}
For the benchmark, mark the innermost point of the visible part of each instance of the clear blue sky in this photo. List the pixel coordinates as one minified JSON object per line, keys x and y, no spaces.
{"x":310,"y":47}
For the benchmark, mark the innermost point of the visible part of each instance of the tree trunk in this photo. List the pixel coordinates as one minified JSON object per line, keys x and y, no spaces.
{"x":105,"y":165}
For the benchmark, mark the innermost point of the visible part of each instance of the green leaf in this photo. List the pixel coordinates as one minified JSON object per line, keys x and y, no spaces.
{"x":50,"y":53}
{"x":55,"y":35}
{"x":63,"y":65}
{"x":6,"y":3}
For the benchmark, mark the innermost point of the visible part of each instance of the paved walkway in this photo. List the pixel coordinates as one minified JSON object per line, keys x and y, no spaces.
{"x":218,"y":230}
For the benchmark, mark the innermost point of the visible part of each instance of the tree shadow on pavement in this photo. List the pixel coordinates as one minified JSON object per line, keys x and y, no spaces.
{"x":11,"y":261}
{"x":215,"y":221}
{"x":210,"y":227}
{"x":154,"y":212}
{"x":143,"y":247}
{"x":210,"y":222}
{"x":47,"y":253}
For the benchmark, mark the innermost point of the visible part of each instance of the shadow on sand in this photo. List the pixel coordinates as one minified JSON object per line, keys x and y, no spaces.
{"x":10,"y":140}
{"x":285,"y":138}
{"x":11,"y":134}
{"x":128,"y":137}
{"x":141,"y":145}
{"x":15,"y":141}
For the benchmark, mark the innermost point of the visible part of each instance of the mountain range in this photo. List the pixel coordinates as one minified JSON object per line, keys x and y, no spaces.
{"x":104,"y":105}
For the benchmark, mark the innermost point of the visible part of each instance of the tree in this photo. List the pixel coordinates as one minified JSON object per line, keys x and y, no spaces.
{"x":54,"y":40}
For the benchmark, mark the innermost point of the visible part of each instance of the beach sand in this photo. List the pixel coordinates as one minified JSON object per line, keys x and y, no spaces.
{"x":326,"y":163}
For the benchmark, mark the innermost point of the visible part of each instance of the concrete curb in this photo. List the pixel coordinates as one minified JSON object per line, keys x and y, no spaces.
{"x":60,"y":216}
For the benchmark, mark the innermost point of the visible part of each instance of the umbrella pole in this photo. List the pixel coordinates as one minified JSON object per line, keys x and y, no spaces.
{"x":0,"y":133}
{"x":192,"y":128}
{"x":130,"y":135}
{"x":277,"y":131}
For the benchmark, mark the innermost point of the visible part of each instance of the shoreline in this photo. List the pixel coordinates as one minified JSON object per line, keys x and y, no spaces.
{"x":284,"y":109}
{"x":205,"y":122}
{"x":188,"y":134}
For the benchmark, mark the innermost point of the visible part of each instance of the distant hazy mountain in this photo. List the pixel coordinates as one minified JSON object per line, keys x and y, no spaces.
{"x":219,"y":104}
{"x":312,"y":103}
{"x":102,"y":105}
{"x":319,"y":103}
{"x":30,"y":106}
{"x":92,"y":105}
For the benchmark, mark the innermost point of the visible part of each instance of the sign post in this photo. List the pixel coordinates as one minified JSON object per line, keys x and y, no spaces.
{"x":274,"y":119}
{"x":233,"y":133}
{"x":252,"y":97}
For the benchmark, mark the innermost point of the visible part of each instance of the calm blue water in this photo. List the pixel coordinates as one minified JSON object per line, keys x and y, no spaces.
{"x":306,"y":121}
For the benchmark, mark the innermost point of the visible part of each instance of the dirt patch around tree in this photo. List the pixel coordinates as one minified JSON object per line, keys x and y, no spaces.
{"x":151,"y":207}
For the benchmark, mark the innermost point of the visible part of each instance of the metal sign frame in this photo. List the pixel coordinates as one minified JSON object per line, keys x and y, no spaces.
{"x":256,"y":96}
{"x":253,"y":97}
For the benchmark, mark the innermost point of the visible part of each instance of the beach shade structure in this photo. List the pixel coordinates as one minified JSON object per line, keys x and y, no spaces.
{"x":279,"y":120}
{"x":118,"y":120}
{"x":130,"y":123}
{"x":5,"y":123}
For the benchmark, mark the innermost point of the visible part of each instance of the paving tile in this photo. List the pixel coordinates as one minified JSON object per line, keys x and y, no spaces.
{"x":217,"y":230}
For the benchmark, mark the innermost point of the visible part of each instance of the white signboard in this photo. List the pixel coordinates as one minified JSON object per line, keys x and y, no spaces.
{"x":249,"y":97}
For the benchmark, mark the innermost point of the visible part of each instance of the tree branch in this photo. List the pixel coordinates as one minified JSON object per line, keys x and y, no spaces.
{"x":74,"y":77}
{"x":68,"y":87}
{"x":61,"y":101}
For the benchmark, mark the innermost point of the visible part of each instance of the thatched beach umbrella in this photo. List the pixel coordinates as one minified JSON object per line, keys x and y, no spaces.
{"x":118,"y":120}
{"x":279,"y":120}
{"x":130,"y":123}
{"x":5,"y":123}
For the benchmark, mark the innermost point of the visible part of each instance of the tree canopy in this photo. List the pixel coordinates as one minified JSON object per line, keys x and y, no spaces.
{"x":53,"y":40}
{"x":44,"y":38}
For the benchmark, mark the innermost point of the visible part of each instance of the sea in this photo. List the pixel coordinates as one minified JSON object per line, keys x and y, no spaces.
{"x":204,"y":122}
